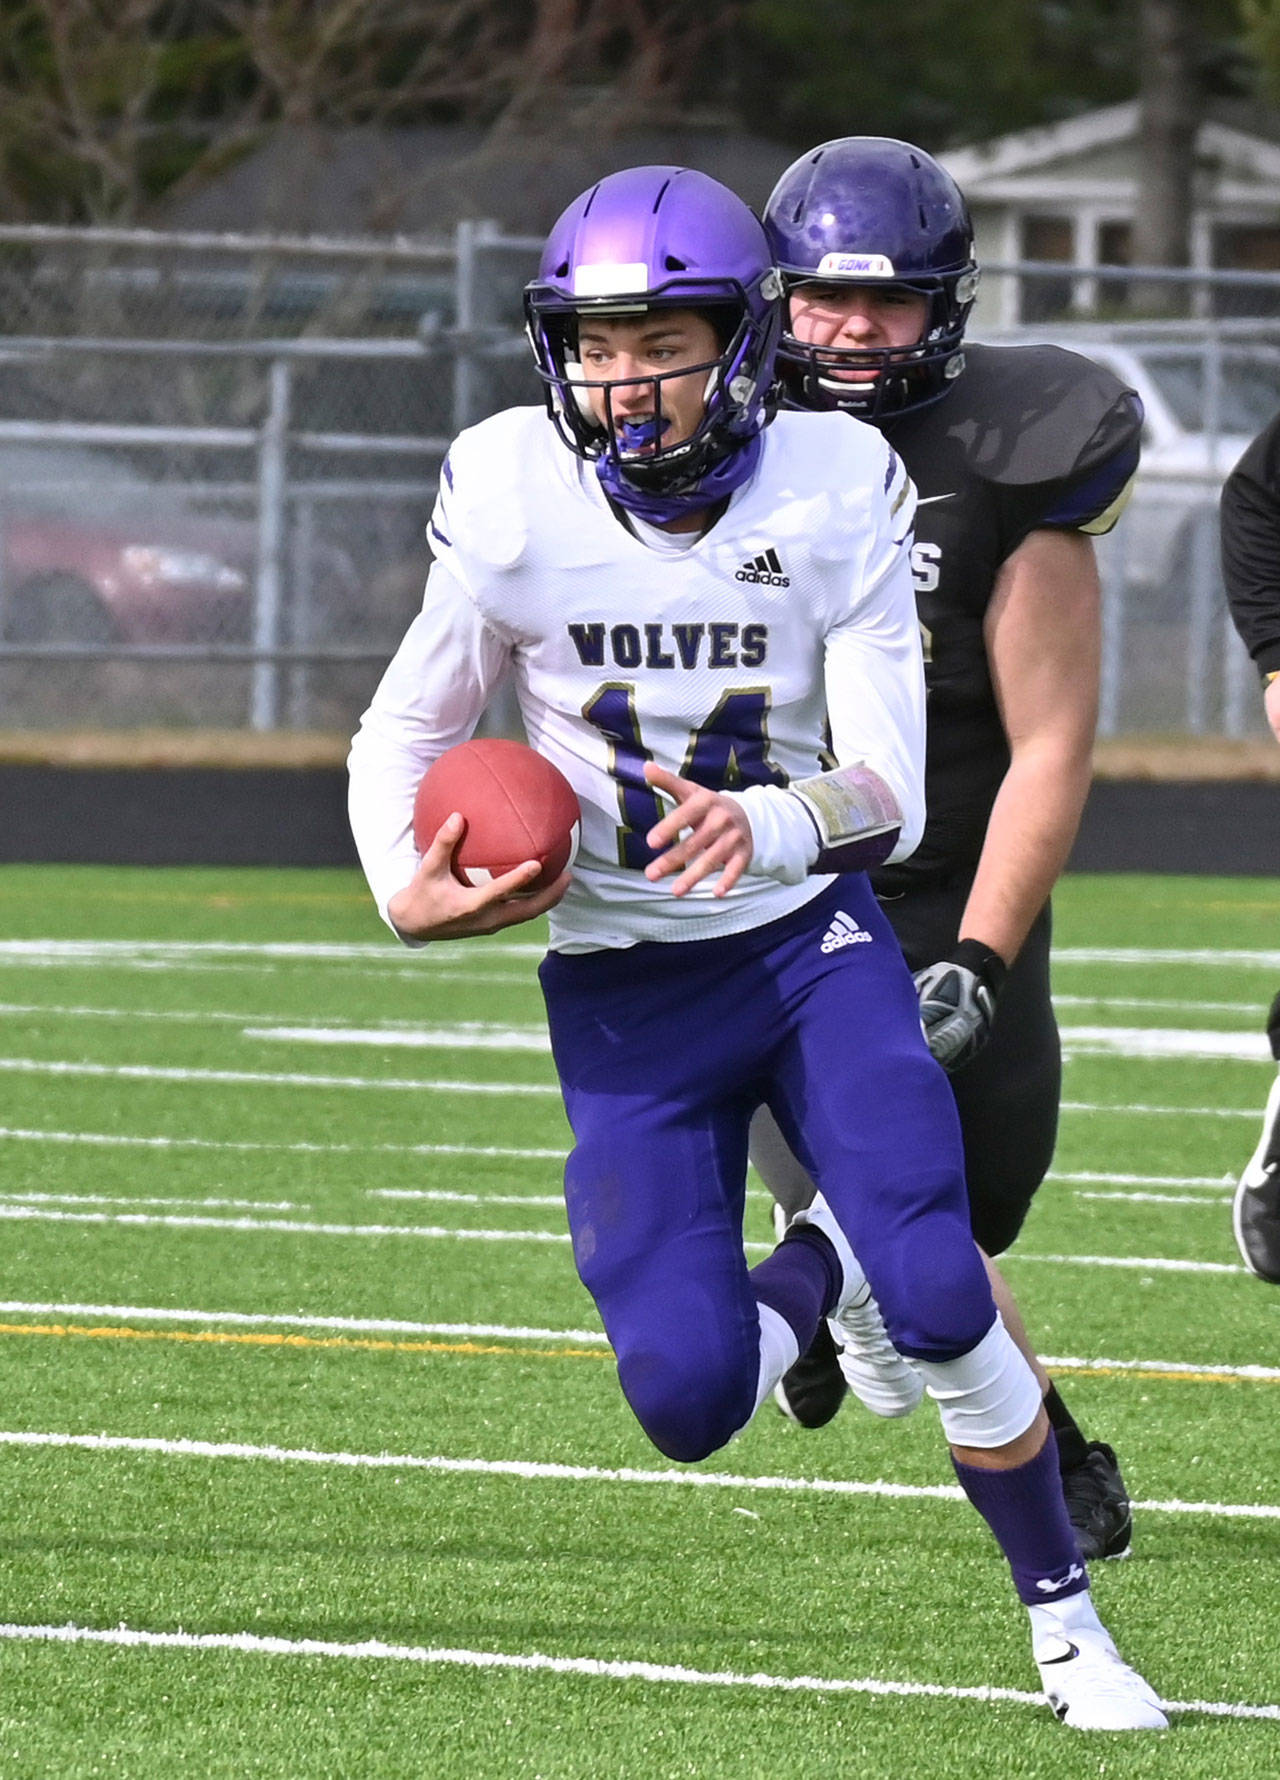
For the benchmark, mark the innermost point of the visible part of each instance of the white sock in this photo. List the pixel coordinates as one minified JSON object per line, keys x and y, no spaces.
{"x":1052,"y":1621}
{"x":820,"y":1215}
{"x":779,"y":1351}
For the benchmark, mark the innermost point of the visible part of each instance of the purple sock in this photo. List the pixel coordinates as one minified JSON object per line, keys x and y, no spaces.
{"x":1025,"y":1510}
{"x":801,"y":1280}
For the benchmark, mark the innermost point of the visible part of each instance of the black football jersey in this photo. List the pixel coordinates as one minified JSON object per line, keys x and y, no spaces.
{"x":1028,"y":437}
{"x":1250,"y":516}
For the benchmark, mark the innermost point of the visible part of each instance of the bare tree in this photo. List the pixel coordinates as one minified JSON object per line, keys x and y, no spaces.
{"x":104,"y":104}
{"x":1262,"y":40}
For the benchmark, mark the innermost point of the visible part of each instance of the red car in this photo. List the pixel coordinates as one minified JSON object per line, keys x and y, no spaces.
{"x":90,"y":552}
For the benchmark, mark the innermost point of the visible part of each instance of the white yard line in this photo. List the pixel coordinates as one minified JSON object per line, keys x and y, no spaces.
{"x":351,"y":1325}
{"x":1142,"y":1265}
{"x":23,"y":1134}
{"x":1248,"y":958}
{"x":1166,"y":1112}
{"x":351,"y":952}
{"x":1165,"y":1042}
{"x":129,"y":1199}
{"x":595,"y":1668}
{"x":20,"y":1134}
{"x":109,"y":951}
{"x":1078,"y":1041}
{"x":369,"y":973}
{"x":287,"y":1226}
{"x":535,"y":1471}
{"x":532,"y":1036}
{"x":462,"y":1198}
{"x":1138,"y":1180}
{"x":429,"y":1038}
{"x":1163,"y":1198}
{"x":1248,"y":1010}
{"x":1073,"y":1363}
{"x":257,"y":1021}
{"x":146,"y":1072}
{"x":283,"y":1226}
{"x":292,"y":1079}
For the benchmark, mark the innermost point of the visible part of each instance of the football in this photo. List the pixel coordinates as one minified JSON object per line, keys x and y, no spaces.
{"x":516,"y":805}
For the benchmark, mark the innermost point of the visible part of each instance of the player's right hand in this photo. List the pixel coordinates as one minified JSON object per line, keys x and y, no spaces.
{"x":437,"y":905}
{"x":705,"y":832}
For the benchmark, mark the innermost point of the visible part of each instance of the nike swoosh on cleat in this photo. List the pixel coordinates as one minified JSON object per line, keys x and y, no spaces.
{"x":925,"y":499}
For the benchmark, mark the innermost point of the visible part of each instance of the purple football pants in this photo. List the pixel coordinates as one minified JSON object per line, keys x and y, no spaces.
{"x":664,"y":1051}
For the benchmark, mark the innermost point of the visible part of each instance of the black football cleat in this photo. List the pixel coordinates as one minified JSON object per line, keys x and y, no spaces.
{"x":814,"y":1388}
{"x":1256,"y":1213}
{"x":1098,"y":1505}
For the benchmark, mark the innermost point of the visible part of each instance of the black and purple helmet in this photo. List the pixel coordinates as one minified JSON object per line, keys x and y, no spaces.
{"x":661,"y":237}
{"x":872,"y":210}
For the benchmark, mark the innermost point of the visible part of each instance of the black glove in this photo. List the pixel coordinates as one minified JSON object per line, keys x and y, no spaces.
{"x":958,"y":1001}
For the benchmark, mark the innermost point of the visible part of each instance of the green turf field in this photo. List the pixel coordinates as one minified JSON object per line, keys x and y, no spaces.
{"x":315,"y":1464}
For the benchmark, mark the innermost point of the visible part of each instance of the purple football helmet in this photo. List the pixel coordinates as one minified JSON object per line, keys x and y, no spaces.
{"x":870,"y":210}
{"x":660,"y":237}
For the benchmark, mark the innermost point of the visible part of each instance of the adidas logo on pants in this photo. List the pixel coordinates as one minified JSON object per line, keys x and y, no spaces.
{"x":844,"y":931}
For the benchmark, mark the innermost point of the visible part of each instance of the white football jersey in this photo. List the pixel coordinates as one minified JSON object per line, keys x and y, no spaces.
{"x":722,"y":662}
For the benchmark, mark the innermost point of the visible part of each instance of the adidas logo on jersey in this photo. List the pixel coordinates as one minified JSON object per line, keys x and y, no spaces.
{"x":844,"y":931}
{"x":764,"y":570}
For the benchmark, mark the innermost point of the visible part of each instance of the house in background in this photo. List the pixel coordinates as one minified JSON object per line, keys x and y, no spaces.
{"x":1068,"y":193}
{"x":1063,"y":194}
{"x":420,"y":183}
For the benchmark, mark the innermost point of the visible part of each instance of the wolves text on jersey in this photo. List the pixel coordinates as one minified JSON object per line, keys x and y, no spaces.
{"x":719,"y":644}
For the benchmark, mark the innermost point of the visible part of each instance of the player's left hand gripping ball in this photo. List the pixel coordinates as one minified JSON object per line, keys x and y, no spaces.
{"x":516,"y":806}
{"x":958,"y":1002}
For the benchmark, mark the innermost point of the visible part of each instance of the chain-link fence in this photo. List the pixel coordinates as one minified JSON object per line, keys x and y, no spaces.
{"x":218,"y":455}
{"x":217,"y":458}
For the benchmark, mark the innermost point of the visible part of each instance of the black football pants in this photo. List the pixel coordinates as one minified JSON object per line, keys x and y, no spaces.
{"x":1007,"y":1096}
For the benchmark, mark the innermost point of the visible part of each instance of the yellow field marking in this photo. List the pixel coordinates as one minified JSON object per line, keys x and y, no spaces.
{"x":472,"y":1349}
{"x":225,"y":1338}
{"x":1187,"y":1376}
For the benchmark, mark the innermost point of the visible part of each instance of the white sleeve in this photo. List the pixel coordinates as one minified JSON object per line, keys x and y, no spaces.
{"x":431,"y":697}
{"x":874,"y":667}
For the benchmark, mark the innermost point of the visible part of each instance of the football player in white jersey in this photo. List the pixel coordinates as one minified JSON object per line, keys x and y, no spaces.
{"x":686,"y":589}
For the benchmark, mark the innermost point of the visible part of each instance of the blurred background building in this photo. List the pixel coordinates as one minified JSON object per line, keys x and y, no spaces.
{"x":249,"y":292}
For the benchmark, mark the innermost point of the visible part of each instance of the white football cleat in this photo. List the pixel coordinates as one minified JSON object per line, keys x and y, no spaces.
{"x":1090,"y":1687}
{"x":1256,"y":1209}
{"x":871,"y":1365}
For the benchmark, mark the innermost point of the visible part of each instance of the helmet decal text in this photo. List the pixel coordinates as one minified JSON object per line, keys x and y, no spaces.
{"x":856,"y":265}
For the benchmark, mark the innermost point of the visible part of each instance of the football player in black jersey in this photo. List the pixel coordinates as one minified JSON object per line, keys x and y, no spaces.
{"x":1250,"y":516}
{"x":1020,"y":456}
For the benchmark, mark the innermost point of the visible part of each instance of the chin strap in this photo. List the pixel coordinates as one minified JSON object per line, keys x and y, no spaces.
{"x":846,"y":820}
{"x":659,"y":506}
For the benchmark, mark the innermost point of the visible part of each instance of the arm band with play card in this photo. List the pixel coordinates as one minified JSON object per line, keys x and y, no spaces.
{"x":846,"y":820}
